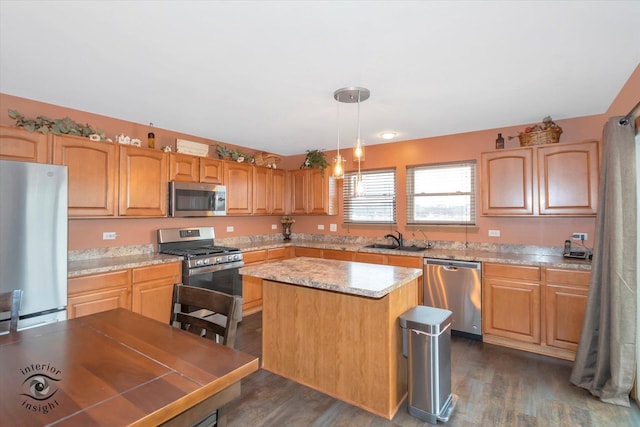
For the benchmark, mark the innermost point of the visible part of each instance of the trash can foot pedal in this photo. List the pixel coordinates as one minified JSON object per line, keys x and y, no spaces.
{"x":448,"y":409}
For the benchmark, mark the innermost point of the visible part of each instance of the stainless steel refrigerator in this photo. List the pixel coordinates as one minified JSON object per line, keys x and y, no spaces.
{"x":33,"y":239}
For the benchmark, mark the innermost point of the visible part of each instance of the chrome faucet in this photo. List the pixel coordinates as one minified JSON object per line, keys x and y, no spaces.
{"x":399,"y":240}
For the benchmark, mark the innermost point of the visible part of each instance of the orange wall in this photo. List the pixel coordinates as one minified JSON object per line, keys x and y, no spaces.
{"x":531,"y":231}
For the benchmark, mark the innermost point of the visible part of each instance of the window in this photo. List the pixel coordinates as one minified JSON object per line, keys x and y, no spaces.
{"x":443,"y":194}
{"x":377,"y":203}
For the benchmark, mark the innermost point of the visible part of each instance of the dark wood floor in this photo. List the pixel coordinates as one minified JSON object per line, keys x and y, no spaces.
{"x":496,"y":387}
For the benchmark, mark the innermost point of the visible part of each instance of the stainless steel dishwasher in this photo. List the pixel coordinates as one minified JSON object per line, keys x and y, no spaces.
{"x":456,"y":286}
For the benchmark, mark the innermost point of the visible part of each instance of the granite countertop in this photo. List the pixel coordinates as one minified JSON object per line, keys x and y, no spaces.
{"x":106,"y":264}
{"x":537,"y":260}
{"x":369,"y":280}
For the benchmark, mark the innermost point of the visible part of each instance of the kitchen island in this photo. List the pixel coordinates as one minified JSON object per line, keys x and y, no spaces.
{"x":333,"y":326}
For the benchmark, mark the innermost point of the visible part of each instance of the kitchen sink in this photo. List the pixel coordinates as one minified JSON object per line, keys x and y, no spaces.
{"x":381,"y":246}
{"x":412,"y":248}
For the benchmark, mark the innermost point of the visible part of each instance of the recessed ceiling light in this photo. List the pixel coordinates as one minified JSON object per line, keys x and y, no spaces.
{"x":388,"y":135}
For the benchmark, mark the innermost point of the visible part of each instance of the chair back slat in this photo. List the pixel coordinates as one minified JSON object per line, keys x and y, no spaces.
{"x":10,"y":303}
{"x":198,"y":311}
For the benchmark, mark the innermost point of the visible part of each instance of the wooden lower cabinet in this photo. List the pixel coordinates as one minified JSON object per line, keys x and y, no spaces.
{"x":145,"y":290}
{"x":152,"y":290}
{"x":98,"y":292}
{"x":310,"y":252}
{"x":535,"y":309}
{"x":252,"y":286}
{"x":337,"y":254}
{"x":566,"y":301}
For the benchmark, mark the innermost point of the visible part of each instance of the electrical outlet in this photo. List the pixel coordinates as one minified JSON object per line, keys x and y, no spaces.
{"x":109,"y":235}
{"x":333,"y":227}
{"x":494,"y":233}
{"x":580,"y":236}
{"x":320,"y":226}
{"x":229,"y":228}
{"x":274,"y":227}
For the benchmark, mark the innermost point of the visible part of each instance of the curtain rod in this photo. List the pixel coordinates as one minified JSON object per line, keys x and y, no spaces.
{"x":625,"y":120}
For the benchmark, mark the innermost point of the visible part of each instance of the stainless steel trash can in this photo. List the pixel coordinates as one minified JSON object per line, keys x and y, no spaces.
{"x":426,"y":342}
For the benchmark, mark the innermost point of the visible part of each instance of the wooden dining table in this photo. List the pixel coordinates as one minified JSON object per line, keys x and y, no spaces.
{"x":115,"y":368}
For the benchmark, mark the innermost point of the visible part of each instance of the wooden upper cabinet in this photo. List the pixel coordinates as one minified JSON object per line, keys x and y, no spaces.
{"x":93,"y":174}
{"x":187,"y":168}
{"x":299,"y":181}
{"x":238,"y":177}
{"x":184,"y":168}
{"x":21,"y":145}
{"x":143,"y":182}
{"x":554,"y":179}
{"x":211,"y":170}
{"x":278,"y":191}
{"x":313,"y":192}
{"x":261,"y":190}
{"x":507,"y":182}
{"x":568,"y":175}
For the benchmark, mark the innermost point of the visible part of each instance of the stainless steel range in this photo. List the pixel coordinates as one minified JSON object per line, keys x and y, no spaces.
{"x":205,"y":265}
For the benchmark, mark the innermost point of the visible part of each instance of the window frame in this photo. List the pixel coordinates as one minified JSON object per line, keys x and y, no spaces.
{"x":349,"y":199}
{"x":473,"y":194}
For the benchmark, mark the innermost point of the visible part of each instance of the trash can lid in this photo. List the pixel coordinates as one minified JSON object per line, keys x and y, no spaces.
{"x":427,"y":319}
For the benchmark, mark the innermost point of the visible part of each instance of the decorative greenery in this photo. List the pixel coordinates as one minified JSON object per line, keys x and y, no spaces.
{"x":227,"y":153}
{"x":315,"y":158}
{"x":45,"y":125}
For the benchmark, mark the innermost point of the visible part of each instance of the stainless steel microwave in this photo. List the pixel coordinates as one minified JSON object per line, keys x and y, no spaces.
{"x":195,"y":199}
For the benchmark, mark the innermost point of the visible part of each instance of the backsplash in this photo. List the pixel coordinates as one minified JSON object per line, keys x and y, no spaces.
{"x":112,"y":252}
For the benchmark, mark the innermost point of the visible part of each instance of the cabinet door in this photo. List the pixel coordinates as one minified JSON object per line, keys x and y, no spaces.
{"x":98,"y":292}
{"x":261,"y":190}
{"x":568,"y":176}
{"x":152,"y":290}
{"x":21,"y":145}
{"x":211,"y":171}
{"x":278,"y":192}
{"x":565,"y":302}
{"x":310,"y":252}
{"x":369,"y":257}
{"x":252,"y":286}
{"x":322,"y":193}
{"x":507,"y":182}
{"x":143,"y":182}
{"x":92,"y":172}
{"x":183,"y":168}
{"x":299,"y":182}
{"x":238,"y":177}
{"x":511,"y":309}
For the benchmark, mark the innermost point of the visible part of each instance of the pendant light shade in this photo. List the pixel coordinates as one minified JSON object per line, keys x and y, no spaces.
{"x":350,"y":95}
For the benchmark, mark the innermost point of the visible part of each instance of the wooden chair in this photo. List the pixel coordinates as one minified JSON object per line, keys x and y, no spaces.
{"x":10,"y":303}
{"x":200,"y":311}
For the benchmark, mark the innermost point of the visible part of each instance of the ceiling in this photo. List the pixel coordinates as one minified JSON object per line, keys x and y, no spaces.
{"x":262,"y":74}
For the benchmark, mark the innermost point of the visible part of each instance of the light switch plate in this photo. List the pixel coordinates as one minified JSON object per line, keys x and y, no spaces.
{"x":333,"y":227}
{"x":109,"y":235}
{"x":229,"y":228}
{"x":494,"y":233}
{"x":274,"y":227}
{"x":320,"y":226}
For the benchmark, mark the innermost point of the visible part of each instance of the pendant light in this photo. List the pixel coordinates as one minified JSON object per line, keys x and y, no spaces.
{"x":350,"y":95}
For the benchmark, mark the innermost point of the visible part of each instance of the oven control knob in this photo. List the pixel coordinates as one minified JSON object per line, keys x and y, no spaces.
{"x":198,"y":262}
{"x":206,"y":261}
{"x":218,"y":260}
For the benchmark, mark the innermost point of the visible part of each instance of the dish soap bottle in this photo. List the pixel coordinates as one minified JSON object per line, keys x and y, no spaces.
{"x":500,"y":142}
{"x":151,"y":137}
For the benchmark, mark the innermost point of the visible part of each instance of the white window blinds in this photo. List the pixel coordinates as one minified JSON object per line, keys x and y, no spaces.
{"x":376,"y":203}
{"x":443,"y":194}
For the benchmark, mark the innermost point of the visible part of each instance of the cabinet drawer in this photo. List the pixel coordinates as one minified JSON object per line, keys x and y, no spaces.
{"x":404,"y":261}
{"x":254,"y":256}
{"x":277,"y":253}
{"x":143,"y":274}
{"x":569,"y":277}
{"x":95,"y":282}
{"x":518,"y":272}
{"x":371,"y":258}
{"x":311,"y":252}
{"x":339,"y":255}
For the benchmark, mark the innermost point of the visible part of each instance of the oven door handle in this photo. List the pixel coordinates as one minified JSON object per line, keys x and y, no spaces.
{"x":214,"y":268}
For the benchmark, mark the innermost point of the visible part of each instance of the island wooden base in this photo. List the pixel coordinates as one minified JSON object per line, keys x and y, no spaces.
{"x":347,"y":346}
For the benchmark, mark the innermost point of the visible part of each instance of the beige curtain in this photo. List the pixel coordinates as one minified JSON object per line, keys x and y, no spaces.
{"x":606,"y":357}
